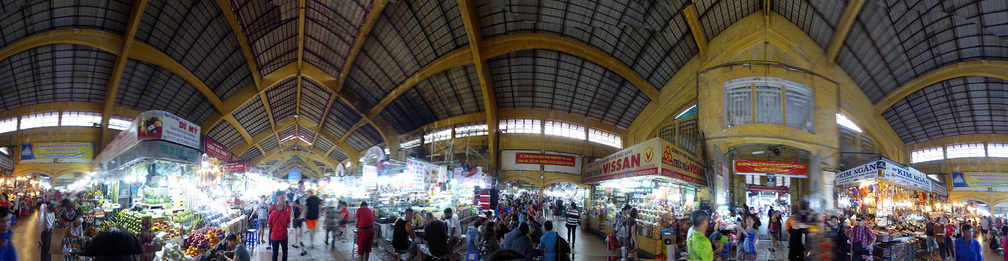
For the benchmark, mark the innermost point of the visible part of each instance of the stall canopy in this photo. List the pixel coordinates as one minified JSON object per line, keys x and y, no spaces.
{"x":654,"y":157}
{"x":887,"y":169}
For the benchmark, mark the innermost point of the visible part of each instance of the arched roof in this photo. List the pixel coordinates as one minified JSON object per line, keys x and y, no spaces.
{"x":342,"y":76}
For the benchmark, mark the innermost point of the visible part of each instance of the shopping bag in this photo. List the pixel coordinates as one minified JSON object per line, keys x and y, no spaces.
{"x":612,"y":243}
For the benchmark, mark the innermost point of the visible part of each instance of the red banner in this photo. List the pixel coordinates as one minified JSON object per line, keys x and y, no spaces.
{"x":214,"y":149}
{"x":545,"y":159}
{"x":771,"y":189}
{"x":237,"y":166}
{"x":789,"y":169}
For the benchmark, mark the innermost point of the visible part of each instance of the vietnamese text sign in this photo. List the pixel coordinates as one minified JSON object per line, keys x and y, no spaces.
{"x":939,"y":188}
{"x":651,"y":157}
{"x":167,"y":126}
{"x":293,"y":175}
{"x":77,"y":152}
{"x":979,"y":179}
{"x":6,"y":162}
{"x":545,"y":159}
{"x":759,"y":167}
{"x":763,"y":188}
{"x":236,"y":166}
{"x":155,"y":149}
{"x":214,"y":149}
{"x":428,"y":171}
{"x":905,"y":175}
{"x":865,"y":171}
{"x":126,"y":139}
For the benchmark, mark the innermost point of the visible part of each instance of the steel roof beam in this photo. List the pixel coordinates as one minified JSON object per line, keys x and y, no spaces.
{"x":362,"y":36}
{"x":850,"y":14}
{"x":692,"y":19}
{"x":472,"y":26}
{"x":993,"y":69}
{"x":115,"y":79}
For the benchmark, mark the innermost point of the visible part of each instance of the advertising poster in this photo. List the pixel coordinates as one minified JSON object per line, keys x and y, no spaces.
{"x":6,"y":162}
{"x":979,"y":179}
{"x":652,"y":157}
{"x":167,"y":126}
{"x":66,"y":152}
{"x":549,"y":161}
{"x":428,"y":171}
{"x":294,"y":175}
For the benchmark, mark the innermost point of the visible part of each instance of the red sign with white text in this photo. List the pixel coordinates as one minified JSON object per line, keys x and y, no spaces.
{"x":214,"y":149}
{"x":787,"y":169}
{"x":545,"y":159}
{"x":237,"y":166}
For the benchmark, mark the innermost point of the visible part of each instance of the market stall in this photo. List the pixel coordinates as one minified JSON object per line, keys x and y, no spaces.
{"x":154,"y":182}
{"x":768,"y":183}
{"x":898,"y":196}
{"x":661,"y":180}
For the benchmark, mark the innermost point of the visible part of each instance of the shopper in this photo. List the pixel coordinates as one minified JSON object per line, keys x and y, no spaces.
{"x":489,"y":241}
{"x":748,"y":231}
{"x":299,"y":201}
{"x":365,"y":231}
{"x":48,"y":223}
{"x":950,"y":235}
{"x":454,"y":228}
{"x":942,"y":238}
{"x":279,"y":219}
{"x":509,"y":238}
{"x":631,"y":245}
{"x":237,"y":250}
{"x":435,"y":238}
{"x":774,"y":229}
{"x":109,"y":245}
{"x":261,"y":213}
{"x":797,"y":228}
{"x":698,"y":247}
{"x":8,"y":252}
{"x":929,"y":231}
{"x":619,"y":226}
{"x":573,"y":220}
{"x":331,"y":218}
{"x":862,"y":239}
{"x":837,"y":231}
{"x":548,"y":242}
{"x":985,"y":226}
{"x":403,"y":234}
{"x":473,"y":236}
{"x":314,"y":204}
{"x":968,"y":248}
{"x":1004,"y":241}
{"x":522,"y":244}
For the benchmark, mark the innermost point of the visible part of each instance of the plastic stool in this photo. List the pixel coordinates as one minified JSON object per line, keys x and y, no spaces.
{"x":250,"y":238}
{"x":255,"y":223}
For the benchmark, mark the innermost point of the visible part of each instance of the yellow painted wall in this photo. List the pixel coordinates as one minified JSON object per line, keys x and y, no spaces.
{"x":788,"y":44}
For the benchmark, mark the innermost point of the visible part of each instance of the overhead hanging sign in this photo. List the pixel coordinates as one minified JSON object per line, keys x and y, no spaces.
{"x":167,"y":126}
{"x":214,"y":149}
{"x":237,"y":166}
{"x":771,"y":189}
{"x":294,"y":175}
{"x":429,"y":172}
{"x":939,"y":188}
{"x":535,"y":160}
{"x":763,"y":167}
{"x":652,"y":157}
{"x":545,"y":159}
{"x":64,"y":152}
{"x":979,"y":179}
{"x":155,"y":149}
{"x":6,"y":162}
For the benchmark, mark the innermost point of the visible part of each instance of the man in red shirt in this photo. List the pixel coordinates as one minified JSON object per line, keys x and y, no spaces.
{"x":365,"y":227}
{"x":279,"y":220}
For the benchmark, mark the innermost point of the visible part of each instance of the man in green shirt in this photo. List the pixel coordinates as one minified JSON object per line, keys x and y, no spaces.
{"x":697,"y":245}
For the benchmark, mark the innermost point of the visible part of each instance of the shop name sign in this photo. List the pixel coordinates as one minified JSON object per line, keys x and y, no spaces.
{"x":236,"y":166}
{"x":760,"y":167}
{"x":906,"y":175}
{"x":764,"y":188}
{"x":214,"y":149}
{"x":651,"y":157}
{"x":545,"y":159}
{"x":167,"y":126}
{"x":863,"y":172}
